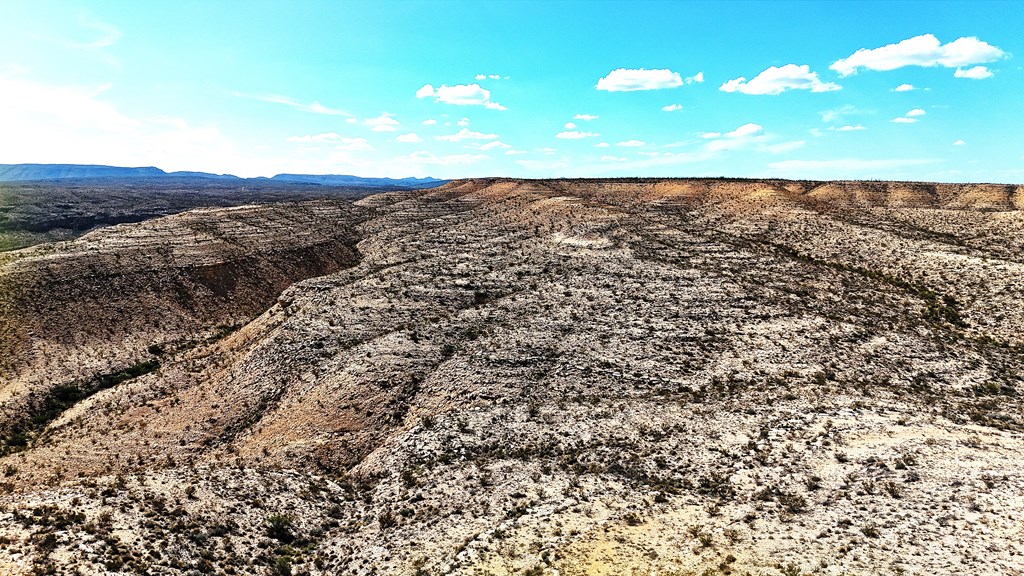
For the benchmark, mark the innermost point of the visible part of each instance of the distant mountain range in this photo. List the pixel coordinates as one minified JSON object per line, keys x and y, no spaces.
{"x":30,"y":172}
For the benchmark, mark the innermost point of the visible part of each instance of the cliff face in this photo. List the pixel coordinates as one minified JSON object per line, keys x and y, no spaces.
{"x":497,"y":376}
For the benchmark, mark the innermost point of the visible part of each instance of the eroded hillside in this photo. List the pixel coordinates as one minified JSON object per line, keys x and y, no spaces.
{"x":588,"y":377}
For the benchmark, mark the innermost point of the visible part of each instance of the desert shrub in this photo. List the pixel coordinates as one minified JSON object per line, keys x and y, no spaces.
{"x":282,"y":567}
{"x":386,"y":520}
{"x":792,"y":502}
{"x":279,"y":527}
{"x":790,"y":569}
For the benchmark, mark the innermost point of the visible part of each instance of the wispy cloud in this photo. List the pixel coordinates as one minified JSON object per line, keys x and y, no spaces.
{"x":429,"y":158}
{"x":385,"y":122}
{"x":466,"y":134}
{"x":585,"y":117}
{"x":543,"y":164}
{"x":316,"y":138}
{"x":838,"y":114}
{"x":494,"y":144}
{"x":741,"y":137}
{"x":104,"y":34}
{"x":313,"y":107}
{"x":672,"y":108}
{"x":340,"y":142}
{"x":844,"y":167}
{"x":576,"y":135}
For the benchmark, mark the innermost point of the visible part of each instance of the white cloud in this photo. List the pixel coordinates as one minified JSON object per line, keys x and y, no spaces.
{"x":576,"y":135}
{"x":546,"y":150}
{"x":494,"y":144}
{"x":515,"y":152}
{"x":411,"y":137}
{"x":847,"y":128}
{"x":106,"y":35}
{"x":53,"y":123}
{"x":543,"y":164}
{"x":838,"y":114}
{"x":601,"y":145}
{"x":976,"y":73}
{"x":341,"y":142}
{"x":672,"y":107}
{"x":354,"y":144}
{"x":316,"y":138}
{"x":614,"y":159}
{"x":466,"y":134}
{"x":489,"y":77}
{"x":569,"y":126}
{"x":76,"y":107}
{"x":741,"y":137}
{"x":464,"y":122}
{"x":585,"y":117}
{"x":698,"y":78}
{"x":843,"y":168}
{"x":429,"y":122}
{"x":783,"y":147}
{"x":632,"y":143}
{"x":748,"y":136}
{"x":776,"y":80}
{"x":313,"y":107}
{"x":910,"y":117}
{"x":744,"y":131}
{"x":903,"y":88}
{"x":959,"y":143}
{"x":429,"y":158}
{"x":384,"y":123}
{"x":626,"y":80}
{"x":460,"y":95}
{"x":924,"y":50}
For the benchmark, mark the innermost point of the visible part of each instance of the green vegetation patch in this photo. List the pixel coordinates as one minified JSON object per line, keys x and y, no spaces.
{"x":47,"y":407}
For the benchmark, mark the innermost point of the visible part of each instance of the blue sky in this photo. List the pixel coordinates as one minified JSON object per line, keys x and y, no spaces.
{"x":888,"y":90}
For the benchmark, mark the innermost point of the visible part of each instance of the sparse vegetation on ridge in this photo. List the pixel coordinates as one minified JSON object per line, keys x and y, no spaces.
{"x":518,"y":377}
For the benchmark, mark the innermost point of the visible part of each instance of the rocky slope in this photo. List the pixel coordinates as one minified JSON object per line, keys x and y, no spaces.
{"x":39,"y":212}
{"x":538,"y":377}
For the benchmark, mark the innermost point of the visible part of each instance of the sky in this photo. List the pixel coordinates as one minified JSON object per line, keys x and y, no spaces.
{"x":856,"y":90}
